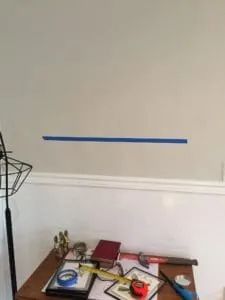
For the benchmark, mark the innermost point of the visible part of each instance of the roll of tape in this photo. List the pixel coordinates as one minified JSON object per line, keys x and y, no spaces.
{"x":67,"y":277}
{"x":183,"y":280}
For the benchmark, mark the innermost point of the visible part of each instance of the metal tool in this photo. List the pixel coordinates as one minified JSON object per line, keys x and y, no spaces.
{"x":80,"y":249}
{"x":138,"y":288}
{"x":143,"y":260}
{"x":184,"y":293}
{"x":162,"y":259}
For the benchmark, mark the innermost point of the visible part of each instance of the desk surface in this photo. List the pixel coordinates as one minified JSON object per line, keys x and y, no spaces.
{"x":31,"y":290}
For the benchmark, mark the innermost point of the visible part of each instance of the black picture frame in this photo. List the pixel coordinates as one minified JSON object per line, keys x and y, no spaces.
{"x":161,"y":284}
{"x":71,"y":292}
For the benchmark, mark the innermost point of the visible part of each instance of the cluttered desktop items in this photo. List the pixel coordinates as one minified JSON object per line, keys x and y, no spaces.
{"x":106,"y":273}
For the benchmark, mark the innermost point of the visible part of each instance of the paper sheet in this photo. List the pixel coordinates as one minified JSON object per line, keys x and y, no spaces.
{"x":97,"y":291}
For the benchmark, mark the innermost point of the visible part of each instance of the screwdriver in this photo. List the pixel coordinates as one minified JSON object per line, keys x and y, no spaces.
{"x":184,"y":293}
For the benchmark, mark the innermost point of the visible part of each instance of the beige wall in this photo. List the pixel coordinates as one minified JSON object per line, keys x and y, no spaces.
{"x":115,"y":68}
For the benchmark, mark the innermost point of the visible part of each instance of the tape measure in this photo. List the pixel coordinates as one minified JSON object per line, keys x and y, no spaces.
{"x":138,"y":288}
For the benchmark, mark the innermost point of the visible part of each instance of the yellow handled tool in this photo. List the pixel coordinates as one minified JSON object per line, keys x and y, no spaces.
{"x":137,"y":287}
{"x":105,"y":274}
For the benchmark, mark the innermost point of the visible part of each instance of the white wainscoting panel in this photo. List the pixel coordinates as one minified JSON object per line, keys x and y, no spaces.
{"x":159,"y":216}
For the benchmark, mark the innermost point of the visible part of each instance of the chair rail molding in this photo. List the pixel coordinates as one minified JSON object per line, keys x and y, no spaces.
{"x":128,"y":183}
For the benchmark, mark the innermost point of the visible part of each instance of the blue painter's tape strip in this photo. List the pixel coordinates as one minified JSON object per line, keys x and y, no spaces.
{"x":115,"y":139}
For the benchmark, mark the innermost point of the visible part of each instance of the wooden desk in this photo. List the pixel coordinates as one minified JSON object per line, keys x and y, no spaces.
{"x":31,"y":290}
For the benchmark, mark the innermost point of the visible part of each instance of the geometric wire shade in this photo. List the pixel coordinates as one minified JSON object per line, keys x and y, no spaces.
{"x":12,"y":171}
{"x":17,"y":172}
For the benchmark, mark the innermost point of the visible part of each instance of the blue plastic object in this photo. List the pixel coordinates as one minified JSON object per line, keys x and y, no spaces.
{"x":184,"y":293}
{"x":67,"y":277}
{"x":115,"y":139}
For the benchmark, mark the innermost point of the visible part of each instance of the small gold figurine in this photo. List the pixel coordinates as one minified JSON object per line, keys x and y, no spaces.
{"x":66,"y":241}
{"x":56,"y":243}
{"x":61,"y":243}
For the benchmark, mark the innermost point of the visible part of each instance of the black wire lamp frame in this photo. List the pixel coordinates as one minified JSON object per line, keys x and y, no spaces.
{"x":13,"y":173}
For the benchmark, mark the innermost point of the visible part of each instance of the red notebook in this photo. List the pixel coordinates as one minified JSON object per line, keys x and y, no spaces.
{"x":106,"y":253}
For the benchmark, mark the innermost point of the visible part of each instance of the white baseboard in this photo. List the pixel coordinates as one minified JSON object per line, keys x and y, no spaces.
{"x":128,"y":183}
